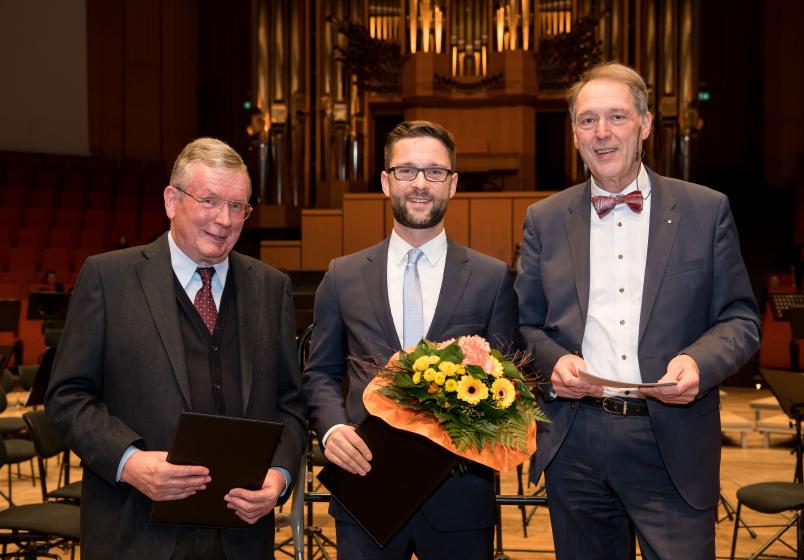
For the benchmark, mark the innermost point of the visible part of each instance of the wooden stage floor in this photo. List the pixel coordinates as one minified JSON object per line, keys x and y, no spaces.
{"x":739,"y":467}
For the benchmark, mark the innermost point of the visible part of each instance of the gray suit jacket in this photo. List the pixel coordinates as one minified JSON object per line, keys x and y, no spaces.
{"x":696,"y":300}
{"x":353,"y":320}
{"x":120,"y":378}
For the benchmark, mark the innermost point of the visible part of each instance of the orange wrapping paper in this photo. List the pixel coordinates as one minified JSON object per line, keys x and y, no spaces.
{"x":497,"y":457}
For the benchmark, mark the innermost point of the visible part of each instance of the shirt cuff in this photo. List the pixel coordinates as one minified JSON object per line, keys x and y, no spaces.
{"x":326,"y":436}
{"x":130,"y":450}
{"x":286,"y":475}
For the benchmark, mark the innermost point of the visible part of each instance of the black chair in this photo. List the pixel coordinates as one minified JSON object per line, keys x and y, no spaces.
{"x":771,"y":498}
{"x":35,"y":529}
{"x":17,"y":450}
{"x":796,"y":317}
{"x":49,"y":444}
{"x":10,"y":425}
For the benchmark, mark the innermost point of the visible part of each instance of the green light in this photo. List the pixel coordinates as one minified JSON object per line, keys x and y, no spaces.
{"x":247,"y":105}
{"x":704,"y":95}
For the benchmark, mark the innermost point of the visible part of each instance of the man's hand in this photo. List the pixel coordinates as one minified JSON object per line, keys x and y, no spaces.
{"x":150,"y":473}
{"x":250,"y":505}
{"x":348,"y":450}
{"x":566,"y":382}
{"x":685,"y":372}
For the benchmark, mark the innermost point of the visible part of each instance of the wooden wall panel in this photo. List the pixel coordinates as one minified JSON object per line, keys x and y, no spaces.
{"x":322,"y":235}
{"x":490,"y":227}
{"x":363,"y":221}
{"x":284,"y":255}
{"x":456,"y":222}
{"x":487,"y":222}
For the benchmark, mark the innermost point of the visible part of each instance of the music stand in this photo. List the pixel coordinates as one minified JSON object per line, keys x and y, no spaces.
{"x":10,"y":315}
{"x":48,"y":306}
{"x":788,"y":388}
{"x":39,"y":386}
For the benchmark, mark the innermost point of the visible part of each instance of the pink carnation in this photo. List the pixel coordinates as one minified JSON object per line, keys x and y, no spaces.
{"x":476,"y":352}
{"x":442,"y":345}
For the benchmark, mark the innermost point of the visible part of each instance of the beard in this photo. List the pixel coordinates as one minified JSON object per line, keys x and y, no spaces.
{"x":409,"y":220}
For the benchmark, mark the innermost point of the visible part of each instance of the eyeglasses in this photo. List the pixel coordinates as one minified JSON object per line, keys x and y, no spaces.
{"x":407,"y":173}
{"x":238,"y":209}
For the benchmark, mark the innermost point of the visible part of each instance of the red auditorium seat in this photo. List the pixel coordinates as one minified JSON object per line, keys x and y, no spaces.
{"x":96,"y":218}
{"x":126,"y":202}
{"x":62,"y":238}
{"x":94,"y":239}
{"x":43,"y":198}
{"x":9,"y":290}
{"x":75,"y":182}
{"x":67,"y":217}
{"x":72,"y":199}
{"x":24,"y":261}
{"x":31,"y":238}
{"x":127,"y":223}
{"x":38,"y":217}
{"x":60,"y":260}
{"x":14,"y":195}
{"x":48,"y":179}
{"x":10,"y":217}
{"x":20,"y":176}
{"x":101,"y":200}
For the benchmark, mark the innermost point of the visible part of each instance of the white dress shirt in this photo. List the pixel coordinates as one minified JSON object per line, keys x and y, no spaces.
{"x":618,"y":251}
{"x":431,"y":273}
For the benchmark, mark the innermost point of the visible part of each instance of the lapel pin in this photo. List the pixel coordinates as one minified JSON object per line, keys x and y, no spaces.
{"x":669,"y":221}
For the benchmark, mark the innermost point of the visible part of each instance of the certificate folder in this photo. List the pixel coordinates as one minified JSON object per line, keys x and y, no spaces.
{"x":237,"y":452}
{"x":406,"y":469}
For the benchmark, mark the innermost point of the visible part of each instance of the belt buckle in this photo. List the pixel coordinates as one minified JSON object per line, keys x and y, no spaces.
{"x":612,"y":408}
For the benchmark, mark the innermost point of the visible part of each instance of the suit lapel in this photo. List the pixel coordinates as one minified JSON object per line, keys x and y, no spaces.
{"x":158,"y":286}
{"x":249,"y":307}
{"x":664,"y":220}
{"x":457,"y":271}
{"x":375,"y":276}
{"x":576,"y":224}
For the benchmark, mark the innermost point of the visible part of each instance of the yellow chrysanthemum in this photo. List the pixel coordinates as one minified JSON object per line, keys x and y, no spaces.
{"x":503,"y":392}
{"x":448,"y":368}
{"x":429,"y":374}
{"x":472,"y":390}
{"x":450,"y":386}
{"x":460,"y":370}
{"x":433,"y":359}
{"x":421,"y":363}
{"x":440,"y":378}
{"x":417,"y":377}
{"x":496,"y":367}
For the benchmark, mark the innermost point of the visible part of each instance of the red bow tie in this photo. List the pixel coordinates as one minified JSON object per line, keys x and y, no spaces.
{"x":605,"y":204}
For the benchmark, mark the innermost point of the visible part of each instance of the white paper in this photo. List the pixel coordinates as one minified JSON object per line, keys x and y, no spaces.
{"x":595,"y":380}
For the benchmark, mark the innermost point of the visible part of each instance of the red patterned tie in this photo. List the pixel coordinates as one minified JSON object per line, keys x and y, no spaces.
{"x":203,"y":299}
{"x":605,"y":204}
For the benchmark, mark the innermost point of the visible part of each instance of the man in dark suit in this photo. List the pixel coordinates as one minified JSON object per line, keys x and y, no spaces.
{"x":646,"y":287}
{"x":184,"y":323}
{"x":362,"y":311}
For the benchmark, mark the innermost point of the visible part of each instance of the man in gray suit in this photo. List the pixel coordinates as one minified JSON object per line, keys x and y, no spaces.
{"x":647,"y":285}
{"x":361,"y":316}
{"x":184,"y":323}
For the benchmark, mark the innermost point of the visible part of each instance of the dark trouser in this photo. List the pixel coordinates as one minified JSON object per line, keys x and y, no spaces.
{"x":198,"y":543}
{"x":417,"y":536}
{"x":609,"y":473}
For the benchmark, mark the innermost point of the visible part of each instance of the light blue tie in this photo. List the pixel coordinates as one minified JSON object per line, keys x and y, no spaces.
{"x":412,"y":308}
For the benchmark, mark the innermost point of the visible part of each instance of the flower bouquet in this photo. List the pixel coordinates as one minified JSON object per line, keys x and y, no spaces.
{"x":462,"y":394}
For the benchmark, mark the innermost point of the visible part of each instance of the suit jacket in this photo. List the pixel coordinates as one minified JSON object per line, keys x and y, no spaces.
{"x":353,"y":320}
{"x":120,"y":378}
{"x":696,"y":300}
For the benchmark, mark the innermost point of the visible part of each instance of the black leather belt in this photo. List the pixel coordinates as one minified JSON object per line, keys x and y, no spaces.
{"x":620,"y":406}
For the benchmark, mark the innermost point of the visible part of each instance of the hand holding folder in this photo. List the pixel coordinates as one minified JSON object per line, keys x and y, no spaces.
{"x":237,"y":452}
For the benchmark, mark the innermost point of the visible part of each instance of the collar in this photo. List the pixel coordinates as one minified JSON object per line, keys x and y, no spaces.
{"x":642,"y":182}
{"x":184,"y":267}
{"x":434,"y":250}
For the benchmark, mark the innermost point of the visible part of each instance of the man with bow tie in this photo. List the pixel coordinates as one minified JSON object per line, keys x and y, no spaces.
{"x":635,"y":278}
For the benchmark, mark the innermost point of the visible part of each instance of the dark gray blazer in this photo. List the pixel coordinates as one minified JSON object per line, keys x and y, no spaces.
{"x":353,"y":320}
{"x":696,"y":300}
{"x":120,"y":378}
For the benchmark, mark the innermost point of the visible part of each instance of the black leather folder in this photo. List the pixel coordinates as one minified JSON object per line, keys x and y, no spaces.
{"x":238,"y":453}
{"x":406,"y":469}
